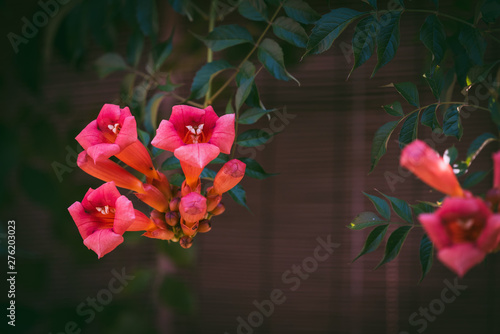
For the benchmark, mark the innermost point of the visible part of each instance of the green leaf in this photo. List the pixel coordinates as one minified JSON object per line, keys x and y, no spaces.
{"x":243,"y":91}
{"x":426,"y":255}
{"x":434,"y":38}
{"x":177,"y":179}
{"x":238,"y":194}
{"x":380,"y":204}
{"x":208,"y":174}
{"x":363,"y":42}
{"x":394,"y":244}
{"x":490,"y":10}
{"x":161,"y":52}
{"x":147,"y":17}
{"x":143,"y":136}
{"x":221,"y":159}
{"x":225,"y":36}
{"x":151,"y":112}
{"x":409,"y":92}
{"x":473,"y":43}
{"x":452,"y":125}
{"x":229,"y":107}
{"x":401,"y":208}
{"x":479,"y":73}
{"x":450,"y":155}
{"x":387,"y":39}
{"x":461,"y":60}
{"x":394,"y":109}
{"x":255,"y":10}
{"x":202,"y":78}
{"x":254,"y":169}
{"x":429,"y":117}
{"x":329,"y":27}
{"x":270,"y":55}
{"x":379,"y":146}
{"x":300,"y":11}
{"x":175,"y":294}
{"x":109,"y":63}
{"x":254,"y":137}
{"x":183,"y":7}
{"x":474,"y":178}
{"x":477,"y":145}
{"x":364,"y":220}
{"x":290,"y":31}
{"x":435,"y":80}
{"x":171,"y":163}
{"x":409,"y":130}
{"x":252,"y":115}
{"x":134,"y":48}
{"x":423,"y":207}
{"x":247,"y":71}
{"x":373,"y":240}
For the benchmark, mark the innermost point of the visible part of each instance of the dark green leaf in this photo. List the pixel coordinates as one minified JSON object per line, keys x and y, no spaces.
{"x":134,"y":48}
{"x":423,"y":207}
{"x":243,"y":92}
{"x":161,"y":52}
{"x":254,"y":169}
{"x":379,"y":146}
{"x":254,"y":137}
{"x":409,"y":92}
{"x":435,"y":80}
{"x":434,"y":38}
{"x":479,"y":73}
{"x":394,"y":109}
{"x":227,"y":35}
{"x":151,"y":112}
{"x":329,"y":27}
{"x":461,"y":60}
{"x":247,"y":71}
{"x":364,"y":220}
{"x":221,"y":159}
{"x":373,"y":241}
{"x":473,"y":43}
{"x":426,"y":255}
{"x":208,"y":174}
{"x":474,"y":178}
{"x":477,"y":145}
{"x":109,"y":63}
{"x":177,"y":179}
{"x":452,"y":125}
{"x":401,"y":208}
{"x":183,"y":7}
{"x":202,"y":78}
{"x":252,"y":115}
{"x":239,"y":196}
{"x":450,"y":155}
{"x":394,"y":244}
{"x":143,"y":136}
{"x":460,"y":168}
{"x":380,"y":204}
{"x":290,"y":31}
{"x":387,"y":39}
{"x":175,"y":294}
{"x":300,"y":11}
{"x":490,"y":10}
{"x":255,"y":10}
{"x":409,"y":130}
{"x":270,"y":55}
{"x":429,"y":117}
{"x":171,"y":163}
{"x":363,"y":41}
{"x":147,"y":17}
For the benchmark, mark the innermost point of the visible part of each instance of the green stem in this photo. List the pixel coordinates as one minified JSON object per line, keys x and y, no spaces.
{"x":228,"y":81}
{"x":210,"y":55}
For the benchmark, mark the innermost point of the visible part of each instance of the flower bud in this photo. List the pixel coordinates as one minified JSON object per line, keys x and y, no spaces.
{"x":213,"y":199}
{"x":161,"y":182}
{"x":189,"y":229}
{"x":204,"y":226}
{"x":219,"y":209}
{"x":174,"y":204}
{"x":162,"y":234}
{"x":154,"y":198}
{"x":186,"y":242}
{"x":193,"y":207}
{"x":229,"y":176}
{"x":186,"y":189}
{"x":171,"y":218}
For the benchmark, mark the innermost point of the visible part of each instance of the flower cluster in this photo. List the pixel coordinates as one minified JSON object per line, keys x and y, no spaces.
{"x":195,"y":136}
{"x":465,"y":228}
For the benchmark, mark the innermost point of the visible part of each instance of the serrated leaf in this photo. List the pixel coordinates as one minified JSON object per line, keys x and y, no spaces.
{"x":363,"y":41}
{"x":175,"y":294}
{"x":270,"y":55}
{"x":473,"y":43}
{"x":252,"y":115}
{"x":226,"y":36}
{"x":202,"y":78}
{"x":394,"y":244}
{"x":429,"y":117}
{"x":238,"y":194}
{"x":151,"y":112}
{"x":435,"y":81}
{"x":379,"y":145}
{"x":300,"y":11}
{"x":161,"y":52}
{"x":426,"y":255}
{"x":329,"y":27}
{"x":452,"y":125}
{"x":401,"y":208}
{"x":208,"y":174}
{"x":364,"y":220}
{"x":387,"y":40}
{"x":474,"y":178}
{"x":373,"y":240}
{"x":450,"y":155}
{"x":255,"y":10}
{"x":409,"y":92}
{"x":434,"y":38}
{"x":380,"y":204}
{"x":254,"y":169}
{"x":134,"y":48}
{"x":394,"y":109}
{"x":171,"y":163}
{"x":109,"y":63}
{"x":409,"y":130}
{"x":290,"y":31}
{"x":478,"y":144}
{"x":254,"y":137}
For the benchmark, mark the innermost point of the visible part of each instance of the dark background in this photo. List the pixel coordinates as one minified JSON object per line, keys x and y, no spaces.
{"x":322,"y":157}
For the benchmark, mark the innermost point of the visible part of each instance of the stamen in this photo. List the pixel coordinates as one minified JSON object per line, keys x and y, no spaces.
{"x":195,"y":132}
{"x":115,"y":128}
{"x":105,"y":210}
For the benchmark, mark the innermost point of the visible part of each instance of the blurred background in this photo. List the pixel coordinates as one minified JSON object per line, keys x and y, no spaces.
{"x":50,"y":90}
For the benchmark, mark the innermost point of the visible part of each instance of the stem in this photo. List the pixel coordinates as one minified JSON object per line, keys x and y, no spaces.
{"x":210,"y":55}
{"x":221,"y":89}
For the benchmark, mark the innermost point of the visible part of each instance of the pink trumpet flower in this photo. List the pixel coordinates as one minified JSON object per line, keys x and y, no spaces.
{"x":426,"y":163}
{"x":463,"y":230}
{"x":196,"y":136}
{"x":193,"y":207}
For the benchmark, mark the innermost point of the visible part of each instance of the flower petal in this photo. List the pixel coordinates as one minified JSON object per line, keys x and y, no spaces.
{"x":107,"y":194}
{"x":167,"y":137}
{"x":124,"y":215}
{"x":103,"y":241}
{"x":461,"y":257}
{"x":103,"y":151}
{"x":90,"y":136}
{"x":198,"y":155}
{"x":183,"y":115}
{"x":490,"y":236}
{"x":85,"y":222}
{"x":128,"y":132}
{"x":435,"y":230}
{"x":210,"y":121}
{"x":109,"y":114}
{"x":223,"y":135}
